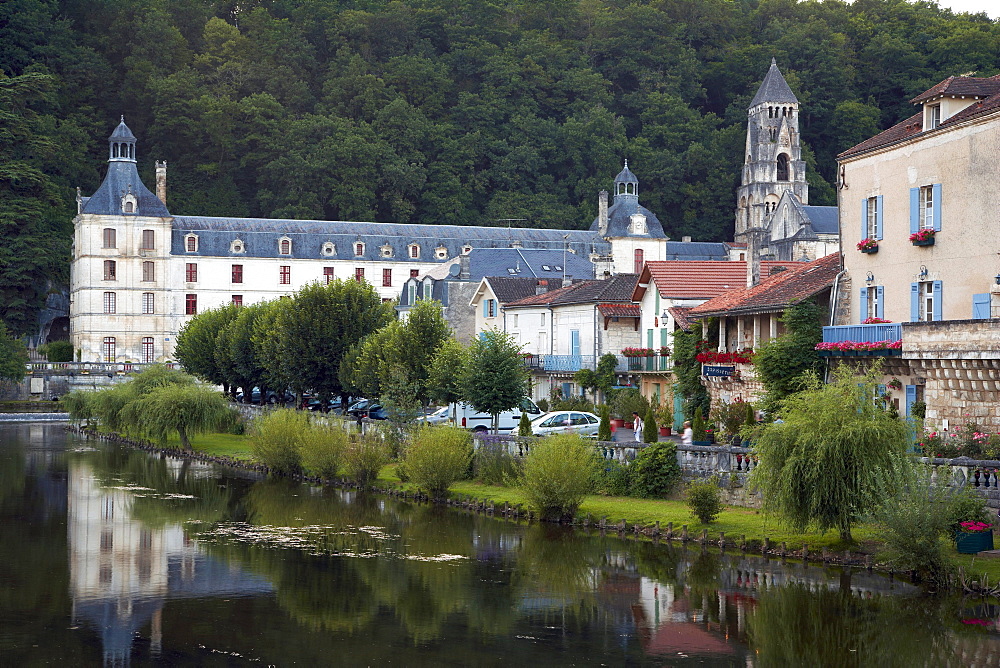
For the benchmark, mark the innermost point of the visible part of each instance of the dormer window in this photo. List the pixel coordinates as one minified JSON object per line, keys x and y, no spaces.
{"x":191,"y":243}
{"x":237,"y":246}
{"x":328,"y":249}
{"x":441,"y":253}
{"x":129,"y":203}
{"x":386,"y":250}
{"x":359,"y":249}
{"x":284,"y":246}
{"x":466,"y":250}
{"x":932,"y":114}
{"x":414,"y":251}
{"x":638,"y":223}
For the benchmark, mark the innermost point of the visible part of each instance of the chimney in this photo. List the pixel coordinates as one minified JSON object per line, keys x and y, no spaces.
{"x":541,"y":287}
{"x":753,"y":257}
{"x":686,"y":240}
{"x":602,"y":212}
{"x":463,"y":267}
{"x":161,"y":181}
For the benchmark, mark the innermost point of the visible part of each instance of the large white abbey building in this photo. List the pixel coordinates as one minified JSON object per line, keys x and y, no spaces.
{"x":139,"y":273}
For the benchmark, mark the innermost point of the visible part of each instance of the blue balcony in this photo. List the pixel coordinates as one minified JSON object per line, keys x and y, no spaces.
{"x":863,"y":333}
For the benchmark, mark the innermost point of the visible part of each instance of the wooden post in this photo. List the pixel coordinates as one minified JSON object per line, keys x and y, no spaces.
{"x":670,"y":530}
{"x":684,"y":533}
{"x":743,"y":542}
{"x":704,"y":536}
{"x":784,"y":549}
{"x":766,"y":545}
{"x":656,"y":528}
{"x":722,"y":540}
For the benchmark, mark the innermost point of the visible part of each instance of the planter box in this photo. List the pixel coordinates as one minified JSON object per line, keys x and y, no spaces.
{"x":874,"y":249}
{"x":971,"y":543}
{"x":701,"y":442}
{"x":617,"y":424}
{"x":925,"y":242}
{"x":664,"y":431}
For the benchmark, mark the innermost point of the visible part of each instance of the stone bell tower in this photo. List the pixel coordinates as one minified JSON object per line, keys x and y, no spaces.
{"x":773,"y":161}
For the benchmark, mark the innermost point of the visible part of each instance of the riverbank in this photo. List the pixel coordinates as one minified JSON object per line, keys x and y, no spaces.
{"x":736,"y":528}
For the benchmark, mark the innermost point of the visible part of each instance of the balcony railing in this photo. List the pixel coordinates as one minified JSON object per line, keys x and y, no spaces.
{"x":73,"y":368}
{"x":573,"y":363}
{"x":863,"y":333}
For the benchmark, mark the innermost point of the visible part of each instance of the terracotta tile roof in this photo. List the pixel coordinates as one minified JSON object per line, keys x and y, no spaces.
{"x":775,"y":293}
{"x":698,"y":280}
{"x":680,"y":315}
{"x":620,"y":310}
{"x":987,"y":88}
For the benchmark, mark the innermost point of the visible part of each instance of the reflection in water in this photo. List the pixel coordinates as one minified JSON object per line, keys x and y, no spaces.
{"x":179,"y":563}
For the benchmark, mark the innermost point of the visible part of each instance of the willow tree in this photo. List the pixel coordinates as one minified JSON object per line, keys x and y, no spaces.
{"x":182,"y":409}
{"x":833,"y":454}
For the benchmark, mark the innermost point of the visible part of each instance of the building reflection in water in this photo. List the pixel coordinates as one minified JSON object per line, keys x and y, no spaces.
{"x":122,"y":573}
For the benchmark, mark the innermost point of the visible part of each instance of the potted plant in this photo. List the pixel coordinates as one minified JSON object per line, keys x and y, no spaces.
{"x":698,"y":436}
{"x":894,"y":384}
{"x":974,"y":536}
{"x":924,"y":237}
{"x":868,"y":245}
{"x":665,"y":414}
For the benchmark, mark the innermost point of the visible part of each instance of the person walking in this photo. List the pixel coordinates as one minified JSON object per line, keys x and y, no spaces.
{"x":637,"y":425}
{"x":687,"y":438}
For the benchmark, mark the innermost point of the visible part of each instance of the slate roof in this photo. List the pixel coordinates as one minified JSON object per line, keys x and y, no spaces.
{"x":620,"y":219}
{"x":774,"y":88}
{"x":528,"y":262}
{"x":509,"y":289}
{"x":824,"y":219}
{"x":987,"y":88}
{"x":615,"y":288}
{"x":699,"y":280}
{"x":620,"y":310}
{"x":260,"y":237}
{"x":696,"y":250}
{"x":776,"y":292}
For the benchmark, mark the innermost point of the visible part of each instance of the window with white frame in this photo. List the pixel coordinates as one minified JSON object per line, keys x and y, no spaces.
{"x":110,"y":237}
{"x":871,"y":303}
{"x":428,"y":287}
{"x":110,"y":270}
{"x":927,"y":207}
{"x":387,"y":278}
{"x":925,"y":308}
{"x":148,"y":242}
{"x":414,"y":250}
{"x":110,"y":302}
{"x":871,"y":218}
{"x":933,"y":116}
{"x":359,"y":249}
{"x":190,"y":304}
{"x":191,"y":272}
{"x":191,"y":243}
{"x":285,"y":246}
{"x":148,"y":303}
{"x":327,"y":275}
{"x":285,"y":274}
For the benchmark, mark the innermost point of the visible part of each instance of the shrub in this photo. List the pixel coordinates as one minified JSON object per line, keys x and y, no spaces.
{"x":628,"y":401}
{"x":437,"y":457}
{"x":604,"y":428}
{"x":524,"y":426}
{"x":650,"y":434}
{"x":277,"y":437}
{"x":573,"y":404}
{"x":323,"y":449}
{"x":656,"y":471}
{"x":704,"y":500}
{"x":543,"y":405}
{"x":365,"y":456}
{"x":492,"y":463}
{"x":614,"y":479}
{"x":698,"y":425}
{"x":558,"y":473}
{"x":57,"y":351}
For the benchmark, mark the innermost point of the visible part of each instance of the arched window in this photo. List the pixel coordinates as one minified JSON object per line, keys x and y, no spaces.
{"x":782,"y":167}
{"x":128,"y":207}
{"x":191,"y":243}
{"x":285,"y":247}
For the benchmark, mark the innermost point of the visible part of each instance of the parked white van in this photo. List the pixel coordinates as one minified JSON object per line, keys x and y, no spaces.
{"x":467,"y":416}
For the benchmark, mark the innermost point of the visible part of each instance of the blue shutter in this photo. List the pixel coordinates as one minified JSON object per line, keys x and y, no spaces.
{"x":878,"y":217}
{"x":914,"y":302}
{"x":936,"y":188}
{"x":649,"y":338}
{"x":485,"y":306}
{"x":911,"y":396}
{"x":863,"y":306}
{"x":879,"y":300}
{"x":981,"y":306}
{"x":567,"y":390}
{"x":937,"y":300}
{"x":482,"y":336}
{"x":574,"y":342}
{"x":864,"y":218}
{"x":914,"y":210}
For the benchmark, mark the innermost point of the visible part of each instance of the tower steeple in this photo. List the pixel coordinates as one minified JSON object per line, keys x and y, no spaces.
{"x":626,"y":184}
{"x":121,"y":144}
{"x":773,"y":161}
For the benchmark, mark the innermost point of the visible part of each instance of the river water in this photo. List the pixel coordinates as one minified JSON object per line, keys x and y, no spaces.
{"x":115,"y":557}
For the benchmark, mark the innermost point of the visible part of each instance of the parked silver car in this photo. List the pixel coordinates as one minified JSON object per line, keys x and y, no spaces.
{"x":560,"y":422}
{"x":440,"y":416}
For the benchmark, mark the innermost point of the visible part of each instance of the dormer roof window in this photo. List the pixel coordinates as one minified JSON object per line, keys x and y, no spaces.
{"x":638,"y":224}
{"x":129,"y":202}
{"x":191,"y":243}
{"x":237,"y":246}
{"x":385,"y":250}
{"x":328,"y":249}
{"x":284,"y":246}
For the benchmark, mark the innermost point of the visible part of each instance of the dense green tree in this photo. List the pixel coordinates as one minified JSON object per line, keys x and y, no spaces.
{"x":13,"y":356}
{"x":782,"y":363}
{"x":195,"y":347}
{"x":495,"y":378}
{"x":444,"y":376}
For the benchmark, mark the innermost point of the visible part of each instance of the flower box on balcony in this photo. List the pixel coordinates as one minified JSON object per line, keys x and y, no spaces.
{"x":872,"y":249}
{"x":929,"y":241}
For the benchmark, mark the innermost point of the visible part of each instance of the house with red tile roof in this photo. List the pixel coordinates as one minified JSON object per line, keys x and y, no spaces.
{"x":665,"y":290}
{"x":918,"y":213}
{"x":751,"y":316}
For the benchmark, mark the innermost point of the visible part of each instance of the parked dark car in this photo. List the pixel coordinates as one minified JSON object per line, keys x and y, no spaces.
{"x":360,"y":406}
{"x":377,"y":412}
{"x":272,"y":396}
{"x":315,"y":404}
